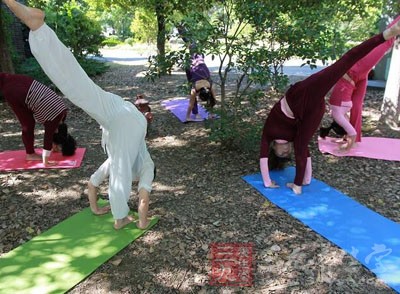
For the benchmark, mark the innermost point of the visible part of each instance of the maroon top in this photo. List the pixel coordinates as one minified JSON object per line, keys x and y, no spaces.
{"x":306,"y":99}
{"x":32,"y":101}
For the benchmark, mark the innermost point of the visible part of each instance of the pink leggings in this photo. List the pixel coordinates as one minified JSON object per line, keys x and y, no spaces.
{"x":339,"y":115}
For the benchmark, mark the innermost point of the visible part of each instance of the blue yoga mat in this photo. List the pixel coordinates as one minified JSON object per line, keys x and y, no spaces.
{"x":368,"y":236}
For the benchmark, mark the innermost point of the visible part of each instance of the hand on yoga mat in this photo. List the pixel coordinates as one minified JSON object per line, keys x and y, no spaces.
{"x":296,"y":189}
{"x":273,"y":184}
{"x":50,"y":163}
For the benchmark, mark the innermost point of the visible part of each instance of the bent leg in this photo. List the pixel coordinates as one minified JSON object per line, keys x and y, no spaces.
{"x":63,"y":69}
{"x":123,"y":148}
{"x":143,"y":208}
{"x":95,"y":180}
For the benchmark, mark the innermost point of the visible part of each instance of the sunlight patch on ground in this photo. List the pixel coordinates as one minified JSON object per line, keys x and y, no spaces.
{"x":181,"y":278}
{"x":373,"y":115}
{"x":195,"y":133}
{"x":168,"y":141}
{"x":141,"y":74}
{"x":152,"y":238}
{"x":11,"y":134}
{"x":160,"y":188}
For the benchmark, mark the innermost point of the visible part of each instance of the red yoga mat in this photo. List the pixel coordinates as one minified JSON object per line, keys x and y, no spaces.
{"x":15,"y":160}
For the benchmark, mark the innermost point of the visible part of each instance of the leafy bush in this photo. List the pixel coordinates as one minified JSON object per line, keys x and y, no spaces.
{"x":74,"y":28}
{"x":32,"y":68}
{"x":238,"y":127}
{"x":111,"y":41}
{"x":129,"y":41}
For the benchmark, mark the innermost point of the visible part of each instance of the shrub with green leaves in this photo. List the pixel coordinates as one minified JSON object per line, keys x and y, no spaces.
{"x":74,"y":28}
{"x":111,"y":41}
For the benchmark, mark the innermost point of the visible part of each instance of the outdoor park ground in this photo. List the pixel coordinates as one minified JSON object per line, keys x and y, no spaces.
{"x":200,"y":198}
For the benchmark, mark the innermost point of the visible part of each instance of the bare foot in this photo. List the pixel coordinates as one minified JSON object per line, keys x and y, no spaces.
{"x":33,"y":156}
{"x":101,"y":210}
{"x":350,"y":140}
{"x":92,"y":195}
{"x":120,"y":223}
{"x":339,"y":141}
{"x":143,"y":224}
{"x":32,"y":17}
{"x":196,"y":118}
{"x":392,"y":31}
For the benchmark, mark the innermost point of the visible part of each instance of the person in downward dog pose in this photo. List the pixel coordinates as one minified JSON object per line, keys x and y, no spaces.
{"x":124,"y":126}
{"x":32,"y":102}
{"x":349,"y":92}
{"x":294,"y":119}
{"x":199,"y":76}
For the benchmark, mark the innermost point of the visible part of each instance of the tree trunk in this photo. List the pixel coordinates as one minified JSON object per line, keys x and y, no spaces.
{"x":390,"y":109}
{"x":6,"y":64}
{"x":161,"y":33}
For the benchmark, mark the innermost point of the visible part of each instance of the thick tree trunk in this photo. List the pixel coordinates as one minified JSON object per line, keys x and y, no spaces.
{"x":161,"y":33}
{"x":390,"y":109}
{"x":6,"y":64}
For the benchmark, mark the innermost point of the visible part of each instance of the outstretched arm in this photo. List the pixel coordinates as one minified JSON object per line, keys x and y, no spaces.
{"x":192,"y":101}
{"x":268,"y":183}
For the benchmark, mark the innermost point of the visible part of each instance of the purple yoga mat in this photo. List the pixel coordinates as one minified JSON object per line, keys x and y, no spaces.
{"x":178,"y":106}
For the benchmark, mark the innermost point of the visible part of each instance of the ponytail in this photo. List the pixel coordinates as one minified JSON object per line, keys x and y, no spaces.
{"x":67,"y":142}
{"x":205,"y":94}
{"x":323,"y":132}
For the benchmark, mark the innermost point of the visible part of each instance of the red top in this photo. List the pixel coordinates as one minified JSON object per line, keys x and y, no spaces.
{"x":32,"y":101}
{"x":306,"y":99}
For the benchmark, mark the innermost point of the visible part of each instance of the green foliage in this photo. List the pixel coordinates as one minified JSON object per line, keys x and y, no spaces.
{"x":31,"y":68}
{"x":159,"y":66}
{"x":144,"y":26}
{"x":119,"y":19}
{"x":237,"y":127}
{"x":77,"y":31}
{"x":129,"y":41}
{"x":93,"y":67}
{"x":254,"y":38}
{"x":111,"y":41}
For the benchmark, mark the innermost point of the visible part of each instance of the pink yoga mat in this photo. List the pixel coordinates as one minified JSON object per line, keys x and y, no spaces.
{"x":369,"y":147}
{"x":178,"y":106}
{"x":15,"y":160}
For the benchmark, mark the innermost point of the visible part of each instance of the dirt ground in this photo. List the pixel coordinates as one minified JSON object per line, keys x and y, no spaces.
{"x":200,"y":198}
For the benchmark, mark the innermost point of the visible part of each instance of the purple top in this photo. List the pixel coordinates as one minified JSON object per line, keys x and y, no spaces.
{"x":198,"y":69}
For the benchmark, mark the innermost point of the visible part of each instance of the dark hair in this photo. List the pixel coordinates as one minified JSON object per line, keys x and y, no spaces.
{"x":68,"y":147}
{"x":67,"y":142}
{"x":205,"y":94}
{"x":323,"y":132}
{"x":274,"y":161}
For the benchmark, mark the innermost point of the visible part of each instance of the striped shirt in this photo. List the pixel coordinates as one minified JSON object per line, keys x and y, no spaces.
{"x":44,"y":102}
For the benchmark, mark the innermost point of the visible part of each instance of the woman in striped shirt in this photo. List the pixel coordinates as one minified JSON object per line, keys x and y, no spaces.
{"x":34,"y":102}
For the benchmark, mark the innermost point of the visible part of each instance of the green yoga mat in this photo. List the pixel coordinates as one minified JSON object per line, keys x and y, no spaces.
{"x":61,"y":257}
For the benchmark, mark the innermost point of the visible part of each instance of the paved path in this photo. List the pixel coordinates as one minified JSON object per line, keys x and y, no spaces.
{"x":291,"y":68}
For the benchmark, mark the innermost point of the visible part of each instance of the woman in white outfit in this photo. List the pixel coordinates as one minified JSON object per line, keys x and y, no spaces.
{"x":124,"y":127}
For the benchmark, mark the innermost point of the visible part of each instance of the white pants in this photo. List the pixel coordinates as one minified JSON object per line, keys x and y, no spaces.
{"x":125,"y":125}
